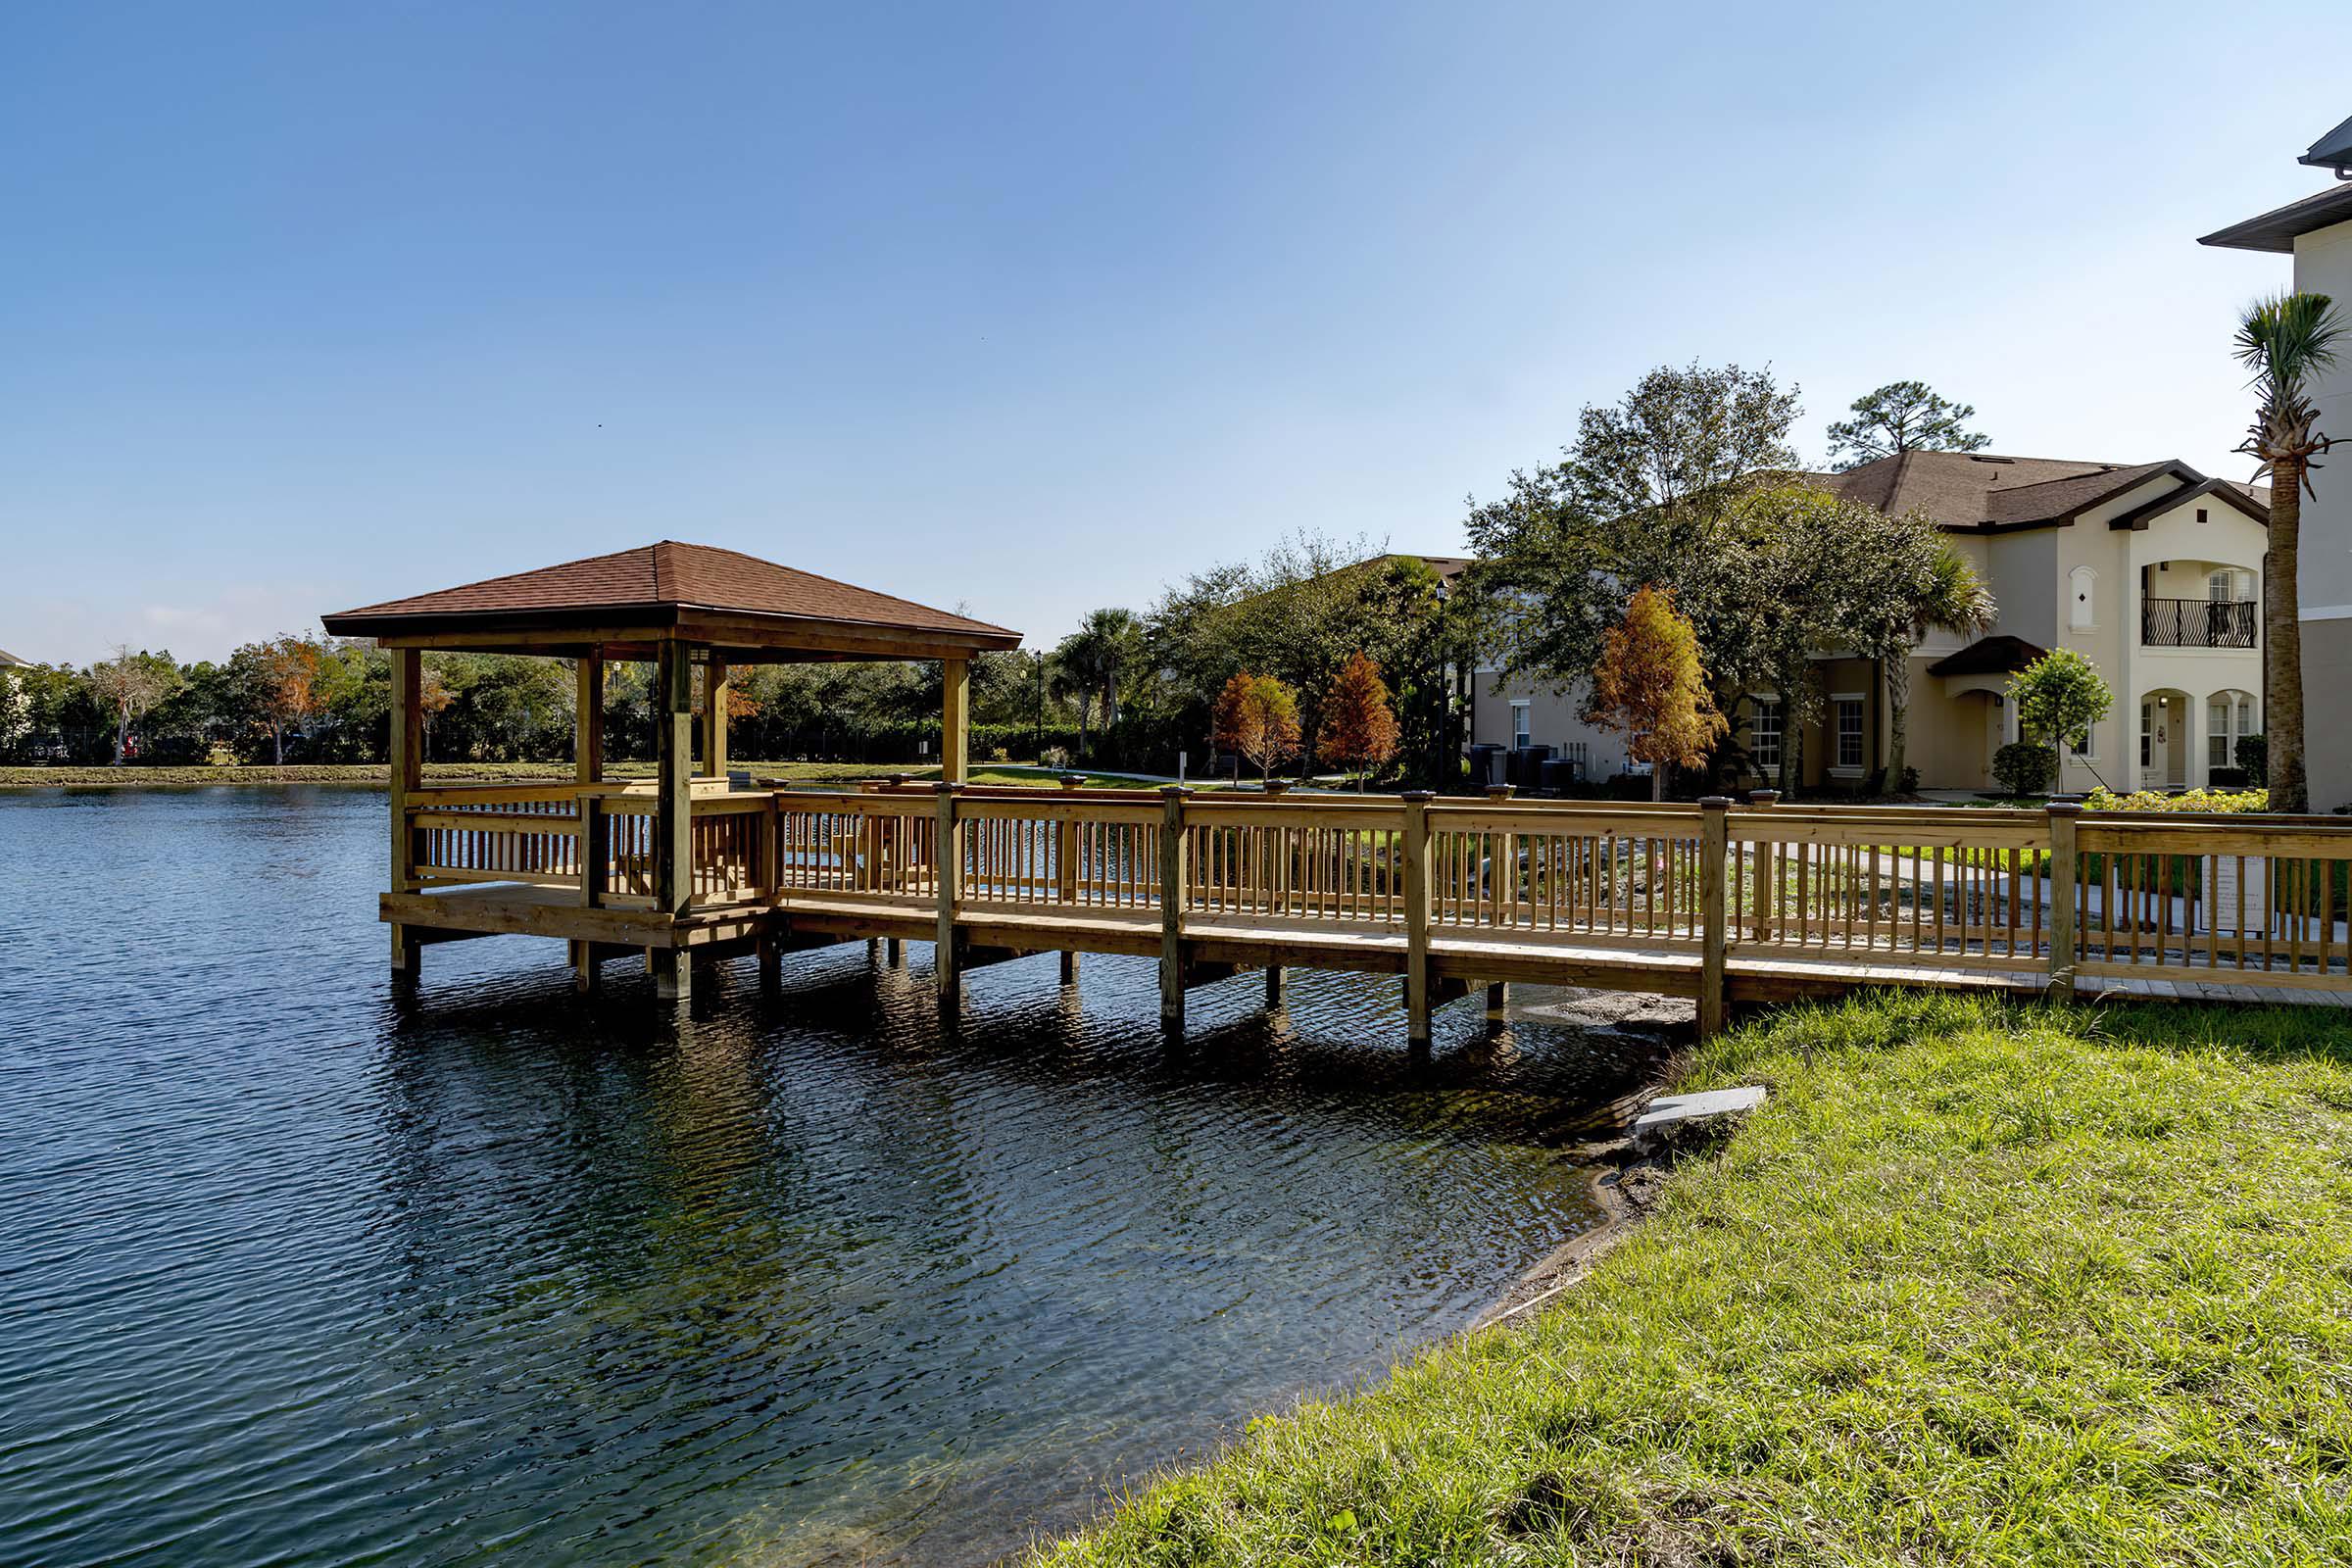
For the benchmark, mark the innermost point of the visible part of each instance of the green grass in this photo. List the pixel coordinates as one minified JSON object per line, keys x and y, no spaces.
{"x":1977,"y":1285}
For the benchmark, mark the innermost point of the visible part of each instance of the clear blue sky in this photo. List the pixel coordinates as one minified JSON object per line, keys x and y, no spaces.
{"x":1033,"y":307}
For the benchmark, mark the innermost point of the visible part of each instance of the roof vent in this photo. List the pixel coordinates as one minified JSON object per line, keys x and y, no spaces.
{"x":1975,"y":458}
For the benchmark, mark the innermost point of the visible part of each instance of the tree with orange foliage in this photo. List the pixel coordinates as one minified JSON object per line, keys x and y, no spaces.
{"x":1257,"y":717}
{"x":1650,"y":685}
{"x":433,"y":697}
{"x":283,"y":686}
{"x":1359,"y":727}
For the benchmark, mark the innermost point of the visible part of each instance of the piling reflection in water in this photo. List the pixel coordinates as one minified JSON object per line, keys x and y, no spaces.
{"x":301,"y":1271}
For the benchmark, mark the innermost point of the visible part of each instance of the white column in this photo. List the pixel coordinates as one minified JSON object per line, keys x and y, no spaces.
{"x":2193,"y":725}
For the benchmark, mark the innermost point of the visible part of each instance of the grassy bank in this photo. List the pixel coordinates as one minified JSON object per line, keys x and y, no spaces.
{"x":484,"y":772}
{"x":1977,"y":1285}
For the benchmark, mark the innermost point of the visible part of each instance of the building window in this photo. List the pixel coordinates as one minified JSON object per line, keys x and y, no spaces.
{"x":1764,"y":733}
{"x":2082,"y":744}
{"x":1849,"y":731}
{"x":2229,"y":719}
{"x":2082,"y":609}
{"x":1521,"y":729}
{"x":2147,"y":732}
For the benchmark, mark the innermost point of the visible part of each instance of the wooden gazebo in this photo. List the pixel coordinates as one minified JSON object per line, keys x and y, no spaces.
{"x":675,"y":606}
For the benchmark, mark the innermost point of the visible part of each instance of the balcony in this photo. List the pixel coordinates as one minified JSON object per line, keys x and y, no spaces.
{"x":2197,"y":623}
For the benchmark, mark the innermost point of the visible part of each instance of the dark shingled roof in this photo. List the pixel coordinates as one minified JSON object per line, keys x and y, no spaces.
{"x":1978,"y":491}
{"x":2275,"y":231}
{"x":7,"y":658}
{"x":672,"y":576}
{"x":2332,"y":151}
{"x":1988,"y":655}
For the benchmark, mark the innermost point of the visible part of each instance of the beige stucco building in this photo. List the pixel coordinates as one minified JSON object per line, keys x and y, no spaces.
{"x":2316,"y":231}
{"x":2151,"y":570}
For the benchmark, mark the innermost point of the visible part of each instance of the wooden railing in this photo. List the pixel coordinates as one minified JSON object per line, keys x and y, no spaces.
{"x":1868,"y":891}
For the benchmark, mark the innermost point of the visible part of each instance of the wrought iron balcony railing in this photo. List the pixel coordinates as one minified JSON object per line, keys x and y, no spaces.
{"x":2196,"y":622}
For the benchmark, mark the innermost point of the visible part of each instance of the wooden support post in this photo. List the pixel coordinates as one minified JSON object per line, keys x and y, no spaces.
{"x":587,"y":760}
{"x":1714,"y":999}
{"x":954,"y":718}
{"x":1498,"y":997}
{"x":949,"y":966}
{"x":714,"y":719}
{"x":772,"y":955}
{"x":674,"y":810}
{"x":1171,"y":907}
{"x":1416,"y":918}
{"x":407,"y":754}
{"x":1768,"y":868}
{"x":588,"y":719}
{"x":894,"y":953}
{"x":2064,"y":866}
{"x":596,"y":842}
{"x":1274,"y":984}
{"x":1065,"y":874}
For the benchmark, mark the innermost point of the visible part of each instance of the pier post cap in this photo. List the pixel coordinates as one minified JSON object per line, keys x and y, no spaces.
{"x":1174,"y":791}
{"x":1418,"y":796}
{"x":948,"y":786}
{"x":2063,"y":805}
{"x":1500,"y":792}
{"x":896,"y":780}
{"x":1714,"y":802}
{"x":1762,"y":797}
{"x":1071,"y":781}
{"x":1277,"y":786}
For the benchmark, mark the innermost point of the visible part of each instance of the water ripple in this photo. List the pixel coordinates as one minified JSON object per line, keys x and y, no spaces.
{"x":301,"y":1272}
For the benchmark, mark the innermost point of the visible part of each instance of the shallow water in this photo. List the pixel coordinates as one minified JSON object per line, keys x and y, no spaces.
{"x":296,"y":1272}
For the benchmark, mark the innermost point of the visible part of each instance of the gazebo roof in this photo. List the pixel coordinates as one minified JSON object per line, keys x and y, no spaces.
{"x":624,"y":602}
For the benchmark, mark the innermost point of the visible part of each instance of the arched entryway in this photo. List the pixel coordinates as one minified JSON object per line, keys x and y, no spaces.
{"x":2163,"y":759}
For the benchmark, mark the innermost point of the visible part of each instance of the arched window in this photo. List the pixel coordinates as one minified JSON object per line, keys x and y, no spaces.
{"x":2081,"y":595}
{"x":2229,"y":719}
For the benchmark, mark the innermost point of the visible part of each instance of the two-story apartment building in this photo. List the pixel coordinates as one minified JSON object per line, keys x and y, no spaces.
{"x":2151,"y":570}
{"x":2316,"y":231}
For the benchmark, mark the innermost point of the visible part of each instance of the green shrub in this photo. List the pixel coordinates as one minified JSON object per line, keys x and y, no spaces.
{"x":2024,"y":767}
{"x":2254,"y":758}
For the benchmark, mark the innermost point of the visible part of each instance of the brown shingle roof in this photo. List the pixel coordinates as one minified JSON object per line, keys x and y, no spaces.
{"x":1973,"y":490}
{"x":673,"y":575}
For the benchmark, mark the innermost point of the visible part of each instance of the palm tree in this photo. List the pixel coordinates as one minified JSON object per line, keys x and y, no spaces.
{"x":2285,"y":341}
{"x":1953,"y":599}
{"x":1090,"y":662}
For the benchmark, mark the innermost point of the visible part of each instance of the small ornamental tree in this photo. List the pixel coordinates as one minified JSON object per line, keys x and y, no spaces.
{"x":1650,"y":686}
{"x":2058,"y":698}
{"x":1257,"y":717}
{"x":433,"y":697}
{"x":1359,"y":727}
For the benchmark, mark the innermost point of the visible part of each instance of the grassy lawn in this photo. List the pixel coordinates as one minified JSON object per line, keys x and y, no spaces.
{"x":1977,"y":1286}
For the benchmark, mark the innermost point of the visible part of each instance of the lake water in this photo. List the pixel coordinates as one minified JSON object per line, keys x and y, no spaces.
{"x":293,"y":1271}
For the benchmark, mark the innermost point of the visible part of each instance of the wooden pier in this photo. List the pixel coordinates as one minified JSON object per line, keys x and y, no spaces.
{"x":1719,"y":902}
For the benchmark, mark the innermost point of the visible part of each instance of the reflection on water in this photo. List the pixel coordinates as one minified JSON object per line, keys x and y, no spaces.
{"x":298,"y":1273}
